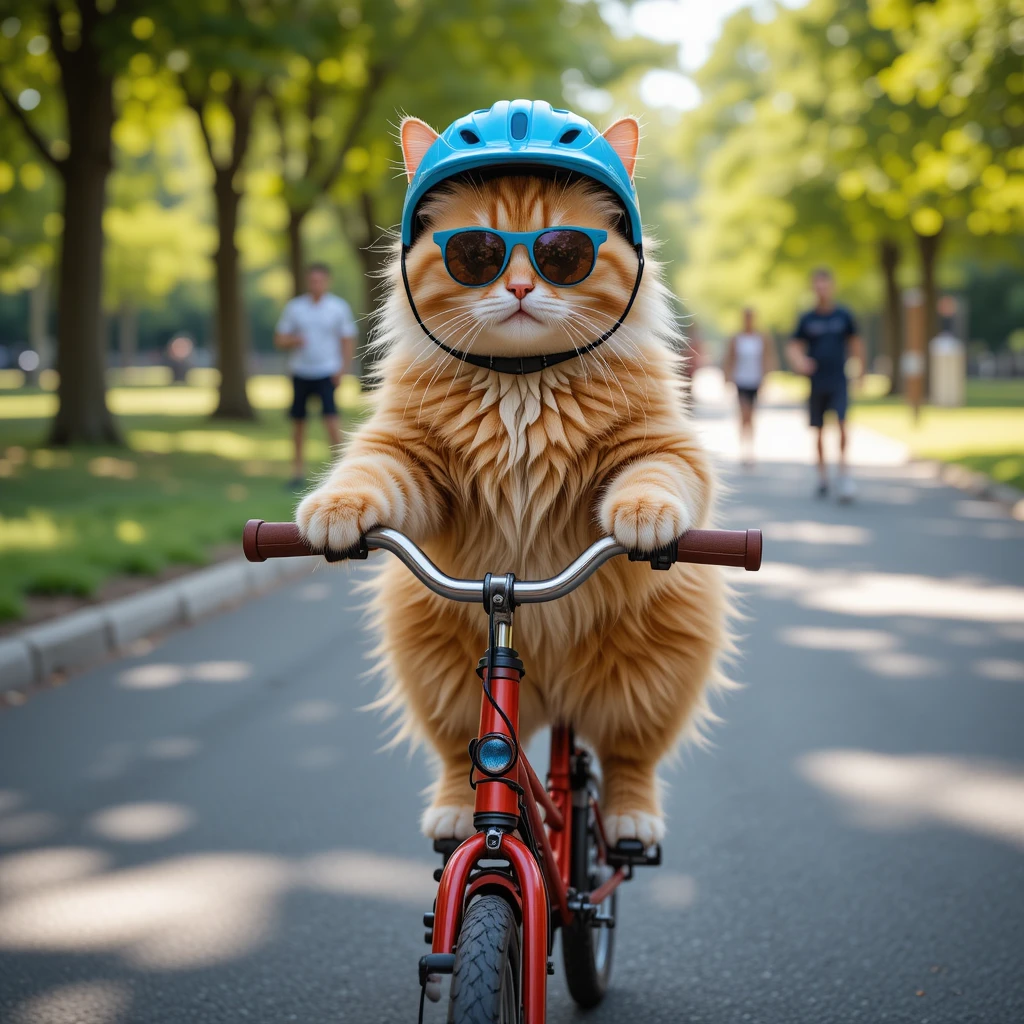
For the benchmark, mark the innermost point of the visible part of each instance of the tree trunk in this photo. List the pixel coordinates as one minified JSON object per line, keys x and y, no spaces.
{"x":296,"y":254}
{"x":928,"y":251}
{"x":38,"y":322}
{"x":231,"y":347}
{"x":892,"y":315}
{"x":128,"y":333}
{"x":83,"y":416}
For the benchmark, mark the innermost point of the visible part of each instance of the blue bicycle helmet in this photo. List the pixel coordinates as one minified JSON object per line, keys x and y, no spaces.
{"x":524,"y":137}
{"x":516,"y":134}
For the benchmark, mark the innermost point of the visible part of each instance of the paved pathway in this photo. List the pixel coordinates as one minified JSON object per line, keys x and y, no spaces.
{"x":207,"y":831}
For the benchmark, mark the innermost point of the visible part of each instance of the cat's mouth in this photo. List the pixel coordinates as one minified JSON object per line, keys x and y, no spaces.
{"x":520,"y":316}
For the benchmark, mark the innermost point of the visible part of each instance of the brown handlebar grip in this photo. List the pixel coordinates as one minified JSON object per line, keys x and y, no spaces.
{"x":740,"y":548}
{"x":261,"y":541}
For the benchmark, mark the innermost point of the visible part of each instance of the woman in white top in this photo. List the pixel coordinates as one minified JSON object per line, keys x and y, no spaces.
{"x":749,"y":356}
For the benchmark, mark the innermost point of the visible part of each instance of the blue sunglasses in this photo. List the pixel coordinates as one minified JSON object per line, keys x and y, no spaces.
{"x":563,"y":256}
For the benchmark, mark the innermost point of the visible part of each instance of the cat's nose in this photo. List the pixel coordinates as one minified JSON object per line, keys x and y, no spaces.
{"x":519,"y":289}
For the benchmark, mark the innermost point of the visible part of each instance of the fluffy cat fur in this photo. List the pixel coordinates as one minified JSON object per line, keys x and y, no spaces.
{"x":493,"y":472}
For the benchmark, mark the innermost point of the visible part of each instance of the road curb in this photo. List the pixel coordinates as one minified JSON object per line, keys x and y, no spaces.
{"x":978,"y":485}
{"x":86,"y":637}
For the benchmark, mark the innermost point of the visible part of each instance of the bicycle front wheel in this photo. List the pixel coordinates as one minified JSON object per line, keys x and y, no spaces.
{"x":486,"y":980}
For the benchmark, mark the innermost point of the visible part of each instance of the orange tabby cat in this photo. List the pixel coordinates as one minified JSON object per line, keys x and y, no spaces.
{"x":494,"y":472}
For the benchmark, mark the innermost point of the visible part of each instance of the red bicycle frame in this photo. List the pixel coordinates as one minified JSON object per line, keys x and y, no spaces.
{"x":541,"y":882}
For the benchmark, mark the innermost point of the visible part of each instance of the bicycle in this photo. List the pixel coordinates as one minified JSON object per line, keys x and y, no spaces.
{"x":505,"y":890}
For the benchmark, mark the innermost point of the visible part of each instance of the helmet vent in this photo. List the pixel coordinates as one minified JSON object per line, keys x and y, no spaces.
{"x":469,"y":137}
{"x":518,"y":125}
{"x":570,"y":136}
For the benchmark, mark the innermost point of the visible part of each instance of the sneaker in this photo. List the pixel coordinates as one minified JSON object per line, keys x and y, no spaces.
{"x":822,"y":491}
{"x":847,"y":490}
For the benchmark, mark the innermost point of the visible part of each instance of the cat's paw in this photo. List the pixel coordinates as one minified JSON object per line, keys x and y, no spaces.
{"x":336,"y":515}
{"x":643,"y":518}
{"x":447,"y":822}
{"x":648,"y":828}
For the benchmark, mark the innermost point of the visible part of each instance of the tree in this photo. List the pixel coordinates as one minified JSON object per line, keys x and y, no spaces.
{"x":819,"y":139}
{"x":959,"y":66}
{"x":766,"y":210}
{"x":158,"y":235}
{"x":323,"y":99}
{"x":224,"y":54}
{"x":29,"y":228}
{"x":81,"y":49}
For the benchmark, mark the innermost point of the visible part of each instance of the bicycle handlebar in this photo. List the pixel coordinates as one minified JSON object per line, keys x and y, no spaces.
{"x":739,"y":548}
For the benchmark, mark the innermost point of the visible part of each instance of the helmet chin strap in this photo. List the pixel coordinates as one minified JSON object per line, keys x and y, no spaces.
{"x":524,"y":364}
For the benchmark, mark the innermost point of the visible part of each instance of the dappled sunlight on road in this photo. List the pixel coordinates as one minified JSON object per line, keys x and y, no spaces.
{"x":167,"y":915}
{"x":182,"y":912}
{"x":159,"y":675}
{"x":880,"y":594}
{"x":172,"y":748}
{"x":876,"y":649}
{"x":902,"y":665}
{"x":141,"y":822}
{"x":1004,"y":669}
{"x":370,"y":876}
{"x":25,"y":872}
{"x":310,"y":712}
{"x":313,"y":592}
{"x":819,"y":638}
{"x":670,"y":890}
{"x":803,"y":531}
{"x":886,"y":791}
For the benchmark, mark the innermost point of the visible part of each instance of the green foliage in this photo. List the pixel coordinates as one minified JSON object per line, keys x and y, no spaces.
{"x":845,"y":122}
{"x":295,"y":104}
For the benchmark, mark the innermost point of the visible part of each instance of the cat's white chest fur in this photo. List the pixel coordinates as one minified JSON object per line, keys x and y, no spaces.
{"x":519,"y":400}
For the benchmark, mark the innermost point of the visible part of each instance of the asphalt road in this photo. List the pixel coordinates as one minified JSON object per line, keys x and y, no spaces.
{"x":209,"y":831}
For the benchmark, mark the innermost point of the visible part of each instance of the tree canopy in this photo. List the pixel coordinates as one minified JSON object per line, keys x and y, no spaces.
{"x":174,"y":165}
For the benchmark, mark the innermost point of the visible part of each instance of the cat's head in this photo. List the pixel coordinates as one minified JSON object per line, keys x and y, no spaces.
{"x":481,"y":293}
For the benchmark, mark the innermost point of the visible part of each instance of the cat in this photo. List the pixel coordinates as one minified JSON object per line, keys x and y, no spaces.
{"x":495,"y":472}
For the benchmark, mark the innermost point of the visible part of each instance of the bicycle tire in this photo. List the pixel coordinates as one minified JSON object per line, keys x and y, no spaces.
{"x":487,"y":981}
{"x":587,"y":950}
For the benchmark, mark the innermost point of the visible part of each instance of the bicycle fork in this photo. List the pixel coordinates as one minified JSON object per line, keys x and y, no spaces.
{"x":496,"y":814}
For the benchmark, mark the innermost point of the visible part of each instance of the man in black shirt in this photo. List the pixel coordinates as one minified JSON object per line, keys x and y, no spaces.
{"x":824,"y":338}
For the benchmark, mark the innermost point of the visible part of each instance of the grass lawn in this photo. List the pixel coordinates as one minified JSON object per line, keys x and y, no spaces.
{"x":71,"y":520}
{"x":986,"y":434}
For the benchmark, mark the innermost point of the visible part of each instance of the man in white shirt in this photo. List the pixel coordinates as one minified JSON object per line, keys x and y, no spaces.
{"x":320,"y":332}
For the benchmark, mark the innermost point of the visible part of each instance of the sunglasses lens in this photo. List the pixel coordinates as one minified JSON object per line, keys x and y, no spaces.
{"x":564,"y":256}
{"x":474,"y":258}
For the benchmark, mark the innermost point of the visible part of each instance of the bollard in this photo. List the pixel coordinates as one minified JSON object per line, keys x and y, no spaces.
{"x":948,"y":359}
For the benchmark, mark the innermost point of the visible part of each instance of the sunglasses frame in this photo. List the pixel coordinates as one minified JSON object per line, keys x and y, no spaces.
{"x":527,"y":239}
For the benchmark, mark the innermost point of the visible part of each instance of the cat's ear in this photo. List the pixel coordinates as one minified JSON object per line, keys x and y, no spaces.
{"x":624,"y":138}
{"x":417,"y":138}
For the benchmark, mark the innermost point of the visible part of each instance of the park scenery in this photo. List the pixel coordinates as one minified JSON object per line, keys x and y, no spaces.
{"x":200,"y":820}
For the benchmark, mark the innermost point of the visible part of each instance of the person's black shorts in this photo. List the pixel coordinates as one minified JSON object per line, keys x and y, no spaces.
{"x":827,"y":397}
{"x":748,"y":396}
{"x":304,"y":387}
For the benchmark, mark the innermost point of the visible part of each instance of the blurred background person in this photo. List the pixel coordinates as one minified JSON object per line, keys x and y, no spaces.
{"x":749,"y":355}
{"x":320,"y":332}
{"x":824,"y":338}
